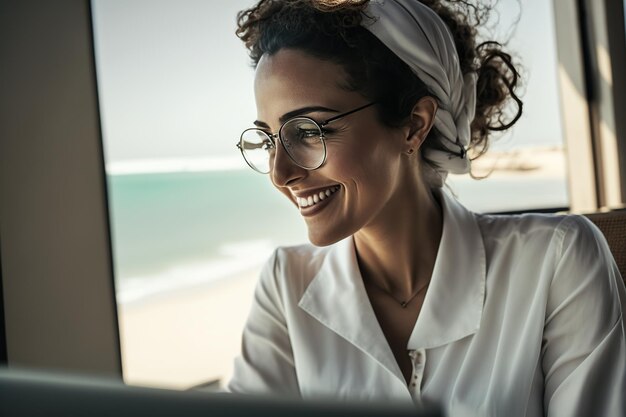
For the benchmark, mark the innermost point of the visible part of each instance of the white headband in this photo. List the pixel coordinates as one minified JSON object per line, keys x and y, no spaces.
{"x":418,"y":36}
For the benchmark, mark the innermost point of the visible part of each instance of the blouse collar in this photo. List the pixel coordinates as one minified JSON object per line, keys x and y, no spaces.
{"x":454,"y":301}
{"x":452,"y":308}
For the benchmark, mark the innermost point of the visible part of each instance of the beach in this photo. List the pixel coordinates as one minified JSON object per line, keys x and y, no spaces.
{"x":187,"y":337}
{"x":522,"y":163}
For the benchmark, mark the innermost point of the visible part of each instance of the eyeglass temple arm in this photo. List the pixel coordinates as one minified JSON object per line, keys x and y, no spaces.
{"x":339,"y":116}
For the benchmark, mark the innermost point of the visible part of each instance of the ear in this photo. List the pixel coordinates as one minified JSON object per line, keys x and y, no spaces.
{"x":422,"y":120}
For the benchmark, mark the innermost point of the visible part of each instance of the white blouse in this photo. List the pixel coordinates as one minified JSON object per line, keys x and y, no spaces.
{"x":524,"y":316}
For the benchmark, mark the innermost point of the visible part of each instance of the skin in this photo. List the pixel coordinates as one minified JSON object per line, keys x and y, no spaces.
{"x":383,"y":200}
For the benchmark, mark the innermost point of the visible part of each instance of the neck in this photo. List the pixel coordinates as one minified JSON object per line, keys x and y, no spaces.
{"x":397,"y":251}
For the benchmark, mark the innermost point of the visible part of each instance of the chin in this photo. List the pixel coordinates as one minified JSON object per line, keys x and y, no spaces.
{"x":318,"y":238}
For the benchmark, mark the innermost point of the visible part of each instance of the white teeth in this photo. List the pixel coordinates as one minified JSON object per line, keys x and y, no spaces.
{"x":316,"y":198}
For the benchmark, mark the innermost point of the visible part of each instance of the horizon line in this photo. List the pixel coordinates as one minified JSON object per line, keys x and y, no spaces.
{"x":171,"y":165}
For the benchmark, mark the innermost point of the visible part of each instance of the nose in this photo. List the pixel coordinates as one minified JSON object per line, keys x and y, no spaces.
{"x":283,"y":170}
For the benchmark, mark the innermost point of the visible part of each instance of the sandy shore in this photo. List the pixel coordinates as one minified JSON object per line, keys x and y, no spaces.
{"x":187,"y":337}
{"x":542,"y":162}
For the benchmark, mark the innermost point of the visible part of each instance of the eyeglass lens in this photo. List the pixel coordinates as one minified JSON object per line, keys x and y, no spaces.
{"x":301,"y":138}
{"x":255,"y":147}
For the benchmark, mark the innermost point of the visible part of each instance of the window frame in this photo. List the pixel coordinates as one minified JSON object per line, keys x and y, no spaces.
{"x":594,"y":133}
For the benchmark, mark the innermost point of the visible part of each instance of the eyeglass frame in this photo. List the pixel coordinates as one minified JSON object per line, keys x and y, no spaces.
{"x":277,"y":136}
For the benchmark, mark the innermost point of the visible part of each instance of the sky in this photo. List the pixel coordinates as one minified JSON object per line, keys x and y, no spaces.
{"x":175,"y":82}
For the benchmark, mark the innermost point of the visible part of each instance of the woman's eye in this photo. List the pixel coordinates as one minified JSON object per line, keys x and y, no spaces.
{"x":308,"y":134}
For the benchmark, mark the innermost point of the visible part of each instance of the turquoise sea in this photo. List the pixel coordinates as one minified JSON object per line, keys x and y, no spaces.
{"x":179,"y":229}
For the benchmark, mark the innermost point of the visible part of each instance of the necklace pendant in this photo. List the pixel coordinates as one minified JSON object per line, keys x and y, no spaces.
{"x":403,"y":304}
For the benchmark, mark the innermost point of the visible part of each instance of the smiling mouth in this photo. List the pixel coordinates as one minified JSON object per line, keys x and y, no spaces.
{"x":316,"y":198}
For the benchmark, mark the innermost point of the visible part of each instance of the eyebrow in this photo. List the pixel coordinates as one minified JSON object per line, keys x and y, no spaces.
{"x":297,"y":112}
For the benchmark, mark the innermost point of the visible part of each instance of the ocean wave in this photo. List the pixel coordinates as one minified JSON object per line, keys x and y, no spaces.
{"x":235,"y":258}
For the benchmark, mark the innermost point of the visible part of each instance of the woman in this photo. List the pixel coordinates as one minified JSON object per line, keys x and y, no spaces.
{"x":363,"y":109}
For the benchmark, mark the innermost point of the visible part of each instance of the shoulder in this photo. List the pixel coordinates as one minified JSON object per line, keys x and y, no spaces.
{"x":556,"y":232}
{"x":562,"y":251}
{"x":522,"y":226}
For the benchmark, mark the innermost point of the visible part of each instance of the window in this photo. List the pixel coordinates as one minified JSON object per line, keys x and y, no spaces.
{"x":192,"y":224}
{"x":527,"y":163}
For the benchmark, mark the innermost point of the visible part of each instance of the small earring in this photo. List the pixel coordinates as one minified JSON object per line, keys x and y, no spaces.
{"x":410,"y":151}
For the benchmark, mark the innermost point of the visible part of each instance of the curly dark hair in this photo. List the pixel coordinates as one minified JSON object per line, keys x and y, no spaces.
{"x":331,"y":30}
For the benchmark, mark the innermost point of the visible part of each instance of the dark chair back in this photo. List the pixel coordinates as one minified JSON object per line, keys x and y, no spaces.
{"x":613,"y":226}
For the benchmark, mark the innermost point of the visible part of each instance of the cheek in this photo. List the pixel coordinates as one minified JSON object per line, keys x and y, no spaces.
{"x":368,"y":158}
{"x":285,"y":192}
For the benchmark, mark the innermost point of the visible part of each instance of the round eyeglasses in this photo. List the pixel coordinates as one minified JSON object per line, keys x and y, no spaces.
{"x":301,"y":137}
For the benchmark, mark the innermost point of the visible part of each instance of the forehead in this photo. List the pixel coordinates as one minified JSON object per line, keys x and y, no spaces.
{"x":291,"y":79}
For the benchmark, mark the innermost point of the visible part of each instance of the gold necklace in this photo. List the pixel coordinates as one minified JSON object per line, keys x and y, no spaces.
{"x":403,"y":304}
